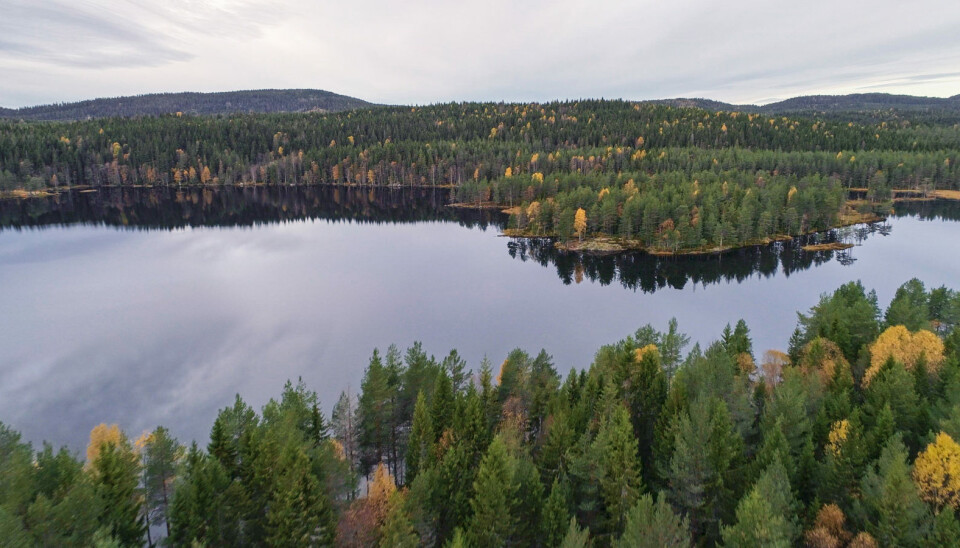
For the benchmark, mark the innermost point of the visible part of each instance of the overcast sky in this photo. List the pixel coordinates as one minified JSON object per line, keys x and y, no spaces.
{"x":427,"y":51}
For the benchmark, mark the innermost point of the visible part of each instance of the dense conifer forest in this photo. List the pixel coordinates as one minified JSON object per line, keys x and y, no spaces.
{"x":847,"y":439}
{"x":654,"y":177}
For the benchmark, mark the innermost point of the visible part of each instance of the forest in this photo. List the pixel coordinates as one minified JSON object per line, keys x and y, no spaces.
{"x":848,"y":439}
{"x":651,"y":176}
{"x":225,"y":102}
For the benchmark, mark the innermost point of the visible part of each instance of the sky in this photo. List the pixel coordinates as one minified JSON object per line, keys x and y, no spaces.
{"x":429,"y":51}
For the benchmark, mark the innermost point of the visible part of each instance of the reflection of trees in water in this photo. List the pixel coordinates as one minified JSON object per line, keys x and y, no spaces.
{"x":158,"y":208}
{"x":649,"y":273}
{"x":933,"y":210}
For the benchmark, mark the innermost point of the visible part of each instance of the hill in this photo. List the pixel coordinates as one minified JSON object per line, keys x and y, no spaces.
{"x":263,"y":101}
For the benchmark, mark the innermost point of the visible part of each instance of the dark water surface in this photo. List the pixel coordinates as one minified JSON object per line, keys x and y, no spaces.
{"x":148,"y":306}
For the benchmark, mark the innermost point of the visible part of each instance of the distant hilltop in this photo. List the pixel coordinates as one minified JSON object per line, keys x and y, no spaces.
{"x":829,"y":103}
{"x":227,"y":102}
{"x":315,"y":100}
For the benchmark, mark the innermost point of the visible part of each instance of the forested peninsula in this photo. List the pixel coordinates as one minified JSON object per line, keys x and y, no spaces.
{"x":594,"y":174}
{"x":847,"y":439}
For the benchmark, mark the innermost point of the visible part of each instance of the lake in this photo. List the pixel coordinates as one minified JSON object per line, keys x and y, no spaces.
{"x":156,"y":306}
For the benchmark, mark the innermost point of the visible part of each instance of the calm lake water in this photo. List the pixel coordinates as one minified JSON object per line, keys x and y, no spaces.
{"x":147,"y":307}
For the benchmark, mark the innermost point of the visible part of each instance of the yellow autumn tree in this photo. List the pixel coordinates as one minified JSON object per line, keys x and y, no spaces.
{"x":837,"y":437}
{"x":899,"y":343}
{"x":381,"y":489}
{"x":580,"y":222}
{"x":641,"y":352}
{"x":533,"y":215}
{"x":508,"y":172}
{"x":538,"y":177}
{"x":99,"y":435}
{"x":937,"y":472}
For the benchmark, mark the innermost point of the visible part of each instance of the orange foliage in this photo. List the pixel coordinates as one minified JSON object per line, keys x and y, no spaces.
{"x":863,"y":540}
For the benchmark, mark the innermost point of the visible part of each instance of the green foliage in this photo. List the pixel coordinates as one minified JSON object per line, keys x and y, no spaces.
{"x":742,"y":460}
{"x":654,"y":525}
{"x":890,"y":508}
{"x":493,"y":522}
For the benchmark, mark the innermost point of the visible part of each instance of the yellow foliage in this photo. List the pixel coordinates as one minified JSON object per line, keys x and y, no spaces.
{"x":603,"y":192}
{"x":534,"y":158}
{"x":641,"y":352}
{"x":580,"y":222}
{"x":533,"y":211}
{"x":937,"y":472}
{"x":338,"y":449}
{"x":100,"y":435}
{"x":639,"y":142}
{"x":350,"y":138}
{"x":723,"y":128}
{"x":145,"y":439}
{"x":538,"y":177}
{"x":863,"y":540}
{"x":899,"y":343}
{"x":508,"y":172}
{"x":823,"y":356}
{"x":116,"y":150}
{"x":837,"y":436}
{"x":791,"y":193}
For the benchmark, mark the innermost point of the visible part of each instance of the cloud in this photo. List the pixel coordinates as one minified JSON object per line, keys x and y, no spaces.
{"x":426,"y":51}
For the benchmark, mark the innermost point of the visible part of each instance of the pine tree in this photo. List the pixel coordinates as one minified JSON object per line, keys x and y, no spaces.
{"x":162,"y":455}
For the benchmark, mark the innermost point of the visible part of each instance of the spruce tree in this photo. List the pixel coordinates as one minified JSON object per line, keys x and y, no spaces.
{"x":493,"y":522}
{"x":654,"y":525}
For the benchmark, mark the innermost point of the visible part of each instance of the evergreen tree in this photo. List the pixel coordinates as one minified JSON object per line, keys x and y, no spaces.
{"x":619,"y":469}
{"x":890,"y":508}
{"x":116,"y":476}
{"x":493,"y":523}
{"x":299,"y":514}
{"x":556,"y":514}
{"x":421,"y":439}
{"x":655,"y":525}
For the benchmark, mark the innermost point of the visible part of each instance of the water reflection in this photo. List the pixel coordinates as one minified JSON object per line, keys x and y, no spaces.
{"x":122,"y":311}
{"x":167,"y":208}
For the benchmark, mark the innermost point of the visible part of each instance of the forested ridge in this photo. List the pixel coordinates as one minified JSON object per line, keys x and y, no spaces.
{"x":848,"y":439}
{"x":664,"y":178}
{"x":225,"y":102}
